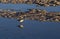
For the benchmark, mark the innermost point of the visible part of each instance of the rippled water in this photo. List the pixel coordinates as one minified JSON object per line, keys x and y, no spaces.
{"x":32,"y":29}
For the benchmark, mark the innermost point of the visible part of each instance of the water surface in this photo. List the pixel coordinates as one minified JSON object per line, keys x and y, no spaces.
{"x":25,"y":7}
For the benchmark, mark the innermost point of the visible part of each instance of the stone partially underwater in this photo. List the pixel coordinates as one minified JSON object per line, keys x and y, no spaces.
{"x":32,"y":14}
{"x":38,"y":2}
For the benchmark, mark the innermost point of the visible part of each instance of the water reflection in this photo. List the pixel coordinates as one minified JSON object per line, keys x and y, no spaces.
{"x":21,"y":26}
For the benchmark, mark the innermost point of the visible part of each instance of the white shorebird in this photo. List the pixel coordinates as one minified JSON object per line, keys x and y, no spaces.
{"x":21,"y":20}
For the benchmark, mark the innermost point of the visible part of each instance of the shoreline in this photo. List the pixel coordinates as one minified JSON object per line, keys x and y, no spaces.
{"x":38,"y":2}
{"x":32,"y":14}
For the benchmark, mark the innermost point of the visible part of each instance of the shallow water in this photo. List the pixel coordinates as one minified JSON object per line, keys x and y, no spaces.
{"x":32,"y":29}
{"x":25,"y":7}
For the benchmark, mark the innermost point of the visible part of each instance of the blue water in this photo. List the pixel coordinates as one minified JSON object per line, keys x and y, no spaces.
{"x":32,"y":29}
{"x":25,"y":7}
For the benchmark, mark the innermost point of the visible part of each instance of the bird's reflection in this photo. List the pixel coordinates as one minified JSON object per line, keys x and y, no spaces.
{"x":21,"y":26}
